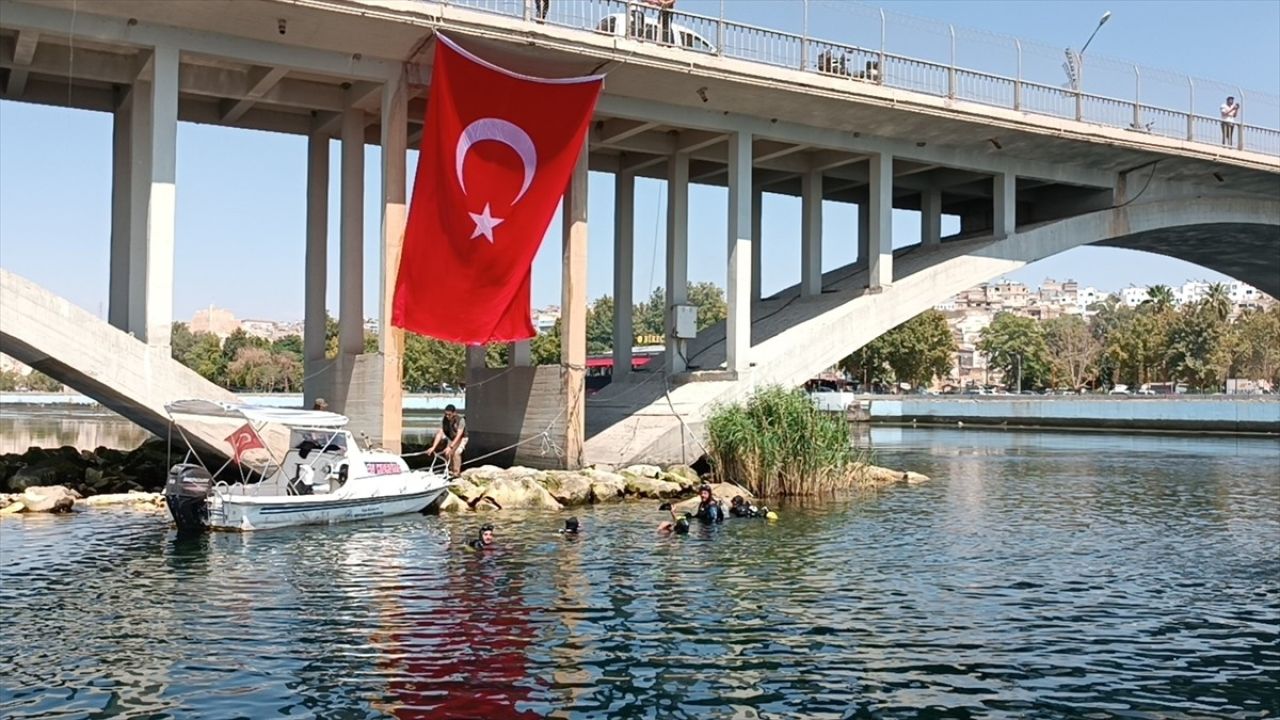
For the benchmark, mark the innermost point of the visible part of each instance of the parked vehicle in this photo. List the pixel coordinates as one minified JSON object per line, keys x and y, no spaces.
{"x":647,"y":27}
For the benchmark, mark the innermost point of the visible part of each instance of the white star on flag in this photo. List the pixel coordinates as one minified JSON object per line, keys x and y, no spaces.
{"x":485,"y":223}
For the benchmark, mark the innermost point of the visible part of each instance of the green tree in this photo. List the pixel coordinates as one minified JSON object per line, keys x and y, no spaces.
{"x":1014,"y":343}
{"x":291,"y":344}
{"x":206,"y":358}
{"x":545,"y":348}
{"x":648,"y":317}
{"x":429,"y":363}
{"x":600,"y":326}
{"x":238,"y":341}
{"x":1218,"y":301}
{"x":710,"y":301}
{"x":1160,"y":297}
{"x":869,"y":363}
{"x":1257,"y":345}
{"x":181,"y":339}
{"x":37,"y":381}
{"x":253,"y":369}
{"x":1073,"y":350}
{"x":1198,"y":348}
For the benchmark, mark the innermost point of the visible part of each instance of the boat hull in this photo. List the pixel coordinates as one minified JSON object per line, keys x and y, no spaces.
{"x":242,"y":515}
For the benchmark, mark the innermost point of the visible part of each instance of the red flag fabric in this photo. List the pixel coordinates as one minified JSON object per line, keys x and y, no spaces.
{"x":243,"y":440}
{"x":497,"y":153}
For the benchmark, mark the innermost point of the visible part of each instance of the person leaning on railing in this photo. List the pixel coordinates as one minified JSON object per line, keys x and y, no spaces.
{"x":664,"y":17}
{"x":1230,"y":111}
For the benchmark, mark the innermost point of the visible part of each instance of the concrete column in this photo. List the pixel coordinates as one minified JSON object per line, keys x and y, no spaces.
{"x":573,"y":313}
{"x":161,"y":198}
{"x":121,"y":165}
{"x":395,"y":146}
{"x":864,"y":233}
{"x":624,"y":257}
{"x":1004,"y":210}
{"x":140,"y":170}
{"x":315,"y":283}
{"x":520,"y":354}
{"x":475,"y":358}
{"x":677,"y":256}
{"x":880,"y":217}
{"x":811,"y":234}
{"x":931,"y":217}
{"x":757,"y":242}
{"x":351,"y":250}
{"x":738,"y":323}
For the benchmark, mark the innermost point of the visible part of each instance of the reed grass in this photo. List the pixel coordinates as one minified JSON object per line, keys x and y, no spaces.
{"x":778,"y":443}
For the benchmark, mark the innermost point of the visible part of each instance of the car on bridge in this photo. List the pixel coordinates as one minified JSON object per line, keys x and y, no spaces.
{"x":647,"y":27}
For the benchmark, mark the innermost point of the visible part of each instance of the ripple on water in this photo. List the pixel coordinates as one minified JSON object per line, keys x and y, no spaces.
{"x":1028,"y":580}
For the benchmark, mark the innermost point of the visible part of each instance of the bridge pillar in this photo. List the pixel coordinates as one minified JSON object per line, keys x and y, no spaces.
{"x":121,"y":208}
{"x":573,"y":317}
{"x":624,"y":203}
{"x":864,"y":233}
{"x":738,"y":322}
{"x":811,"y":234}
{"x":161,"y":199}
{"x":677,"y":255}
{"x":931,"y":217}
{"x":1004,"y":209}
{"x":880,"y":218}
{"x":757,"y":241}
{"x":395,"y":141}
{"x":351,"y":250}
{"x":316,"y":280}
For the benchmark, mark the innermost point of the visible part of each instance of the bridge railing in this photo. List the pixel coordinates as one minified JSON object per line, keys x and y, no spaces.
{"x":701,"y":34}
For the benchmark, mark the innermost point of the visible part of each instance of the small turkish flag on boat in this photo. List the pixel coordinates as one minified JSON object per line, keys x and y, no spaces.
{"x":244,"y":439}
{"x":496,"y":156}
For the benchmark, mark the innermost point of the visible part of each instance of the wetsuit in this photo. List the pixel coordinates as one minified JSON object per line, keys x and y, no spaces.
{"x":709,"y":511}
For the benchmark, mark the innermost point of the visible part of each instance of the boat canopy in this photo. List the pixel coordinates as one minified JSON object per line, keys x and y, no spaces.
{"x":317,"y":419}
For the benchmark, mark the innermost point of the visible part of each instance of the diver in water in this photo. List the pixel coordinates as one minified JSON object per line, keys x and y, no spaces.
{"x":740,"y":509}
{"x":709,"y":509}
{"x":484,"y":538}
{"x":678,"y":525}
{"x":570,"y":527}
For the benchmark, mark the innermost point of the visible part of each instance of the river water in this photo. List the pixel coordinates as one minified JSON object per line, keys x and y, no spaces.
{"x":1037,"y":575}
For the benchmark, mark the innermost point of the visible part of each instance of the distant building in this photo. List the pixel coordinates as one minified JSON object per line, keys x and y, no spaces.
{"x":260,"y":328}
{"x":545,"y":319}
{"x":214,"y":320}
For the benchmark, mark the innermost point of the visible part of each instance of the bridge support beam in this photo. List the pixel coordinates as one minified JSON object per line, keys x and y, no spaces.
{"x":880,"y":217}
{"x":931,"y":217}
{"x":351,"y":249}
{"x":395,"y":141}
{"x":1004,"y":209}
{"x":624,"y":257}
{"x":315,"y":284}
{"x":811,"y":234}
{"x":738,"y":292}
{"x":677,"y":255}
{"x":757,"y":241}
{"x":121,"y":196}
{"x":864,"y":233}
{"x":573,"y":318}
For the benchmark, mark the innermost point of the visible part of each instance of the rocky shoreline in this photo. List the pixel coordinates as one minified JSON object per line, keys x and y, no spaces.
{"x":65,"y":479}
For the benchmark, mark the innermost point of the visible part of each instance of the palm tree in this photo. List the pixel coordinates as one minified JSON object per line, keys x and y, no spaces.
{"x":1160,"y":297}
{"x":1218,"y":300}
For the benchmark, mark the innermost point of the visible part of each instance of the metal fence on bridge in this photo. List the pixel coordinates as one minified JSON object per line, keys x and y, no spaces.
{"x":1013,"y":74}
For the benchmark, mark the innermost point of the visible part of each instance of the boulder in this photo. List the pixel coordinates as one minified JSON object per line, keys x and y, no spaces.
{"x":914,"y":478}
{"x":606,"y":486}
{"x":51,"y":470}
{"x":525,"y":492}
{"x":51,"y":499}
{"x":447,"y":503}
{"x":12,"y":508}
{"x":140,"y":500}
{"x":569,"y":488}
{"x":686,"y":476}
{"x":648,"y":471}
{"x":876,"y":475}
{"x":466,"y":490}
{"x":647,"y":487}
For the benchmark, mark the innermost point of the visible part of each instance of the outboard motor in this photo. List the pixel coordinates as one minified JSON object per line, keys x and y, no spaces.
{"x":187,"y":495}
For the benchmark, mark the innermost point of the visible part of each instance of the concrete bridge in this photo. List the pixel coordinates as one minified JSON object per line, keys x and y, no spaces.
{"x":1030,"y":169}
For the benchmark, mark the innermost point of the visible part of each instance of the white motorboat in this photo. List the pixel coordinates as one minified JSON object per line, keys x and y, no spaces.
{"x":324,"y":477}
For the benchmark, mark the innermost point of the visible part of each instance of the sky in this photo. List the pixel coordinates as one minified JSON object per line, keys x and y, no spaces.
{"x":241,"y":194}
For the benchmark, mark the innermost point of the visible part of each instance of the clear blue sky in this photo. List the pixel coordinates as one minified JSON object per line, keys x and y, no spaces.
{"x":241,"y":204}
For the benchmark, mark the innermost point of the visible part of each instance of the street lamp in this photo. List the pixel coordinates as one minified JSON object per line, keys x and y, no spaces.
{"x":1074,"y":66}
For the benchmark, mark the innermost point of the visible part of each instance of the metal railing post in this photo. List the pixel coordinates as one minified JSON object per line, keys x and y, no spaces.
{"x":880,"y":69}
{"x":720,"y":32}
{"x":1191,"y":109}
{"x":804,"y":39}
{"x":1240,"y":120}
{"x":1137,"y":98}
{"x":951,"y":72}
{"x":1017,"y":83}
{"x":1079,"y":86}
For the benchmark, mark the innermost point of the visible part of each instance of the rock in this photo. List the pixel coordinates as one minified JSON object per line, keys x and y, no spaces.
{"x":51,"y":498}
{"x":647,"y":487}
{"x":876,"y":475}
{"x":12,"y":508}
{"x":50,"y":470}
{"x":483,"y":475}
{"x":525,"y":492}
{"x":914,"y":478}
{"x":686,"y":476}
{"x":139,"y":499}
{"x":649,"y":471}
{"x":466,"y":490}
{"x":448,"y":502}
{"x":606,"y":486}
{"x":568,"y":488}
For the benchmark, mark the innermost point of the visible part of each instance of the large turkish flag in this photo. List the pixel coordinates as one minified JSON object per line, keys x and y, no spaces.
{"x":496,"y":156}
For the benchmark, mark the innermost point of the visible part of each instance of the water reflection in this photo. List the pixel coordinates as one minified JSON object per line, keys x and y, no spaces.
{"x":1032,"y":578}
